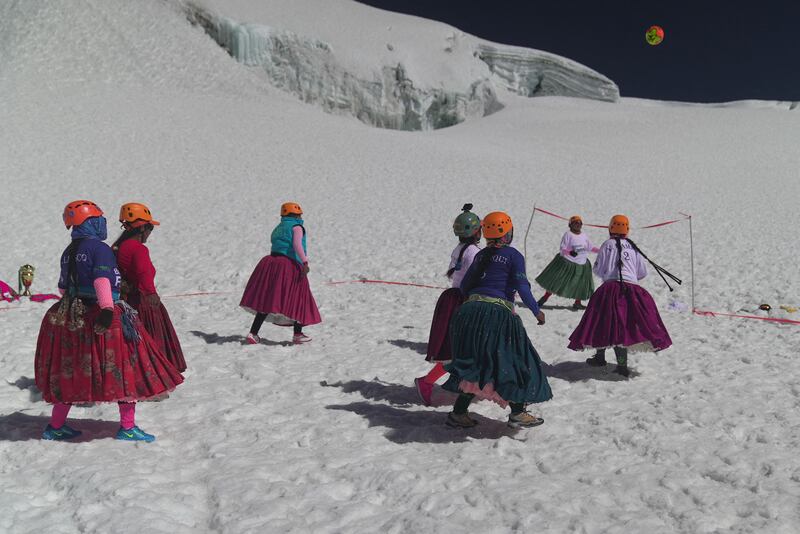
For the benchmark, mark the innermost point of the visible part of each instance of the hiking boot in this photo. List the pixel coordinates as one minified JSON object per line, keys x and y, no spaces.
{"x":460,"y":420}
{"x":300,"y":338}
{"x":524,"y":420}
{"x":252,"y":339}
{"x":598,"y":360}
{"x":622,"y":370}
{"x":58,"y":434}
{"x":424,"y":390}
{"x":134,"y":434}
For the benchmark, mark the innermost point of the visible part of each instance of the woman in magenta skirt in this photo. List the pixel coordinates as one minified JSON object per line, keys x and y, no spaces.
{"x":138,"y":273}
{"x":621,"y":314}
{"x":91,"y":346}
{"x":278,"y":289}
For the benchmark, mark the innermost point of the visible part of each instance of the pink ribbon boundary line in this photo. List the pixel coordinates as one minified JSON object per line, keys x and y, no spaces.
{"x":387,"y":282}
{"x":706,"y":313}
{"x":606,"y":226}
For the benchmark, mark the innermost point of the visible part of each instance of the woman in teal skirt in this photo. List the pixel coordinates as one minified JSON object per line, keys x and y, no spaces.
{"x":492,"y":355}
{"x":569,"y":275}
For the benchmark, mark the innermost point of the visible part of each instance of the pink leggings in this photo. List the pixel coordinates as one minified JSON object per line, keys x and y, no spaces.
{"x":127,"y":415}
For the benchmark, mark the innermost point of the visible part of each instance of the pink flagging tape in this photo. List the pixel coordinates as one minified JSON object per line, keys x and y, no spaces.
{"x":706,"y":313}
{"x":665,"y":223}
{"x":566,"y":219}
{"x":181,"y":295}
{"x":383,"y":282}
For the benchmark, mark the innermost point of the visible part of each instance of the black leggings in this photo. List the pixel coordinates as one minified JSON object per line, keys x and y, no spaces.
{"x":620,"y":352}
{"x":464,"y":399}
{"x":259,"y":320}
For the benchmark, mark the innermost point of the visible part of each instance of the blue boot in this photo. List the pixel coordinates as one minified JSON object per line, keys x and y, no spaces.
{"x":134,"y":434}
{"x":62,"y":433}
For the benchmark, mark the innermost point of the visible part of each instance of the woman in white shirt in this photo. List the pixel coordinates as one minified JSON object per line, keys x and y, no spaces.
{"x":621,"y":314}
{"x":467,"y":227}
{"x":569,"y":275}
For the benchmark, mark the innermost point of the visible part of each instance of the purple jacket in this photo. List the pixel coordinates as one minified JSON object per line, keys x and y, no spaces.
{"x":504,"y":275}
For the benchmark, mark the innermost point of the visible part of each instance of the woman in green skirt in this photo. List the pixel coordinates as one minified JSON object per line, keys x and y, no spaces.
{"x":492,"y":355}
{"x":569,"y":275}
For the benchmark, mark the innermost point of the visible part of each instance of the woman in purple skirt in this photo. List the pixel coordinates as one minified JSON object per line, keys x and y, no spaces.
{"x":621,"y":314}
{"x":467,"y":227}
{"x":278,"y":289}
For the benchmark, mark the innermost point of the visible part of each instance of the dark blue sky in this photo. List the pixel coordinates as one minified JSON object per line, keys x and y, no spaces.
{"x":713,"y":51}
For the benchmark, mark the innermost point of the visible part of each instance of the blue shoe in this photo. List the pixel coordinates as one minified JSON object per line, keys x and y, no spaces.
{"x":58,"y":434}
{"x":134,"y":434}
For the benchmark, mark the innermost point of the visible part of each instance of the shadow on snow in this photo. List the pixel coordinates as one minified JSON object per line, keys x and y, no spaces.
{"x":418,"y":426}
{"x":420,"y":348}
{"x":216,"y":339}
{"x":19,"y":426}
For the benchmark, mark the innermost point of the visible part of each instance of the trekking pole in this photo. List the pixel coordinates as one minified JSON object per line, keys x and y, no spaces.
{"x":660,"y":270}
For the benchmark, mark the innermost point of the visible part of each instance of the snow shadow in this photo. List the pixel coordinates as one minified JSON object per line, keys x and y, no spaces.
{"x":19,"y":426}
{"x":420,"y":348}
{"x":392,"y":393}
{"x":24,"y":383}
{"x":560,"y":307}
{"x":216,"y":339}
{"x":581,"y":372}
{"x":424,"y":426}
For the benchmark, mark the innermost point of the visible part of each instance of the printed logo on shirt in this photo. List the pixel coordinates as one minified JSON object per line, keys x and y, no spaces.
{"x":80,"y":258}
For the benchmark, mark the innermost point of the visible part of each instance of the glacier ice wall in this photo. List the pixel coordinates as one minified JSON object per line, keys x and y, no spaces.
{"x":308,"y":68}
{"x":534,"y":73}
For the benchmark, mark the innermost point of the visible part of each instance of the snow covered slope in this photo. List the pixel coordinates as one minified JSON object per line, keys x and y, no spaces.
{"x":121,"y":101}
{"x":388,"y":70}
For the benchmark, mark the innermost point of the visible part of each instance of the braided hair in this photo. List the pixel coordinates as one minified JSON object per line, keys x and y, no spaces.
{"x":466,"y":242}
{"x":129,"y":233}
{"x":619,"y":257}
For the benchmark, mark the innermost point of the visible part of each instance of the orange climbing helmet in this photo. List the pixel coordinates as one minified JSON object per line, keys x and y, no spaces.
{"x":619,"y":225}
{"x":78,"y":211}
{"x":134,"y":215}
{"x":496,"y":225}
{"x":291,"y":208}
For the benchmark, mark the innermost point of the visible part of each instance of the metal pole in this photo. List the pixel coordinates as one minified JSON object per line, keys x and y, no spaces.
{"x":691,"y":252}
{"x":525,"y":244}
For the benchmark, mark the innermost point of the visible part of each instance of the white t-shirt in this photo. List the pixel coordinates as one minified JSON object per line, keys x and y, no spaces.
{"x":633,"y":266}
{"x":579,"y":243}
{"x":466,"y":261}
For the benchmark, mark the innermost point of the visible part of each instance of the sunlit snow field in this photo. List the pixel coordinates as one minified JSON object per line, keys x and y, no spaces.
{"x":117,"y":101}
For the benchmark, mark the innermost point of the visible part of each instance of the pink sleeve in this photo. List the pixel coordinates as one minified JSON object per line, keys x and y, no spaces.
{"x":297,"y":241}
{"x":102,"y":288}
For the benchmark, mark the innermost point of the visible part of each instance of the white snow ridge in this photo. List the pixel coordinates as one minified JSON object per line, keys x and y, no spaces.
{"x":389,"y":94}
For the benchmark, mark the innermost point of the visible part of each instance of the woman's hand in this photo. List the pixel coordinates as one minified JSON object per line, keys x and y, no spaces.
{"x":305,"y":268}
{"x":152,"y":300}
{"x":103,"y":320}
{"x":540,"y":317}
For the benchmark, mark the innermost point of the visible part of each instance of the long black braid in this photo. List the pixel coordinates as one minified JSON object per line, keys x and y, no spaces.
{"x":619,"y":257}
{"x":467,"y":242}
{"x":128,"y":234}
{"x":72,"y":269}
{"x":659,"y":269}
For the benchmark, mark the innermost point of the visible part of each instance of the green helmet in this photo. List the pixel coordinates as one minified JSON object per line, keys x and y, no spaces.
{"x":466,"y":224}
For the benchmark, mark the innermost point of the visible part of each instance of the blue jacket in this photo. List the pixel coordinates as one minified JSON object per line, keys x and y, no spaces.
{"x":504,"y":275}
{"x":281,"y":238}
{"x":94,"y":259}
